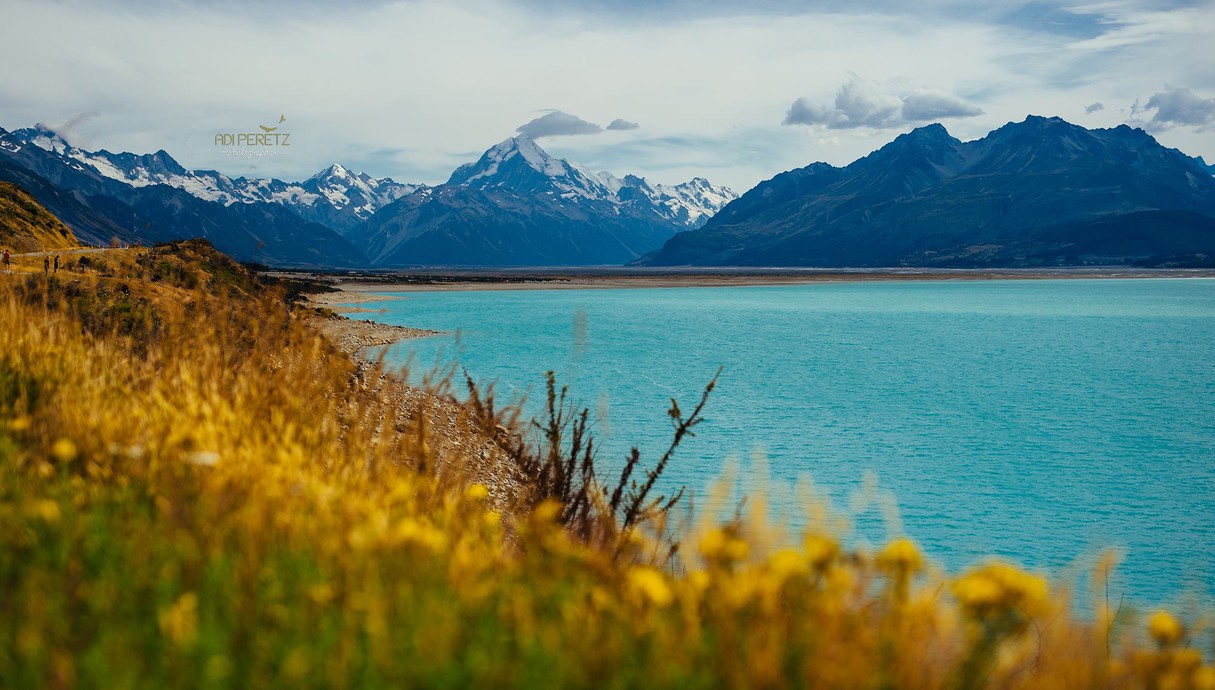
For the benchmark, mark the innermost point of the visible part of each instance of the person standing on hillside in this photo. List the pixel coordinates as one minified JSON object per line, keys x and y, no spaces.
{"x":56,"y":263}
{"x":46,"y":265}
{"x":8,"y":259}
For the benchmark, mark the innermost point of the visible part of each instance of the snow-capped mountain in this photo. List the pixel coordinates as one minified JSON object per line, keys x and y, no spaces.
{"x":360,"y":193}
{"x":690,"y":203}
{"x":335,"y":196}
{"x":518,"y":205}
{"x":515,"y":205}
{"x":129,"y":198}
{"x":520,"y":165}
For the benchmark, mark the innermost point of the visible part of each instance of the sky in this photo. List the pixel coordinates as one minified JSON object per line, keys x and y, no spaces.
{"x":668,"y":89}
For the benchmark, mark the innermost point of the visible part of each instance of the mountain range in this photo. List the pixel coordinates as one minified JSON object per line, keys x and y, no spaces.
{"x":128,"y":198}
{"x":516,"y":205}
{"x":1042,"y":192}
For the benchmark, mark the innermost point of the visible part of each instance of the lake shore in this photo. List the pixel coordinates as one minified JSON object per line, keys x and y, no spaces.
{"x":353,"y":336}
{"x":352,"y":289}
{"x":455,"y":435}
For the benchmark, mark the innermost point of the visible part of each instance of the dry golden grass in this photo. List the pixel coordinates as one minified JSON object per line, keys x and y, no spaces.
{"x":27,"y":227}
{"x":196,"y":490}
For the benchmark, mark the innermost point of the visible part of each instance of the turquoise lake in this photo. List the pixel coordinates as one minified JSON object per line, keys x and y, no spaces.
{"x":1040,"y":421}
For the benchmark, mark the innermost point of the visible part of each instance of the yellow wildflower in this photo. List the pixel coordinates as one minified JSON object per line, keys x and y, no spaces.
{"x":712,"y":543}
{"x":901,"y":554}
{"x":977,"y":593}
{"x":1170,"y":680}
{"x":1204,"y":678}
{"x":788,"y":563}
{"x":1187,"y":659}
{"x":1164,"y":628}
{"x":839,"y":581}
{"x":721,"y":545}
{"x":699,"y":580}
{"x":179,"y":622}
{"x":412,"y":531}
{"x":47,"y":510}
{"x":650,"y":585}
{"x":601,"y":600}
{"x":64,"y":450}
{"x":820,"y":550}
{"x":547,"y":511}
{"x":999,"y":586}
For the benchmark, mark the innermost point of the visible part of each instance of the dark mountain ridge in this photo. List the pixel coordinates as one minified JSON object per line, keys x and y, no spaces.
{"x":1041,"y":192}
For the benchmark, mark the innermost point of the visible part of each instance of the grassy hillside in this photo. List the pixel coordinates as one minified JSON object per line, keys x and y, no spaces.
{"x":197,"y":490}
{"x":27,"y":227}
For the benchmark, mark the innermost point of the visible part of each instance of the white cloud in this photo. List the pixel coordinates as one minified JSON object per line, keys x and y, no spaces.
{"x":924,"y":105}
{"x":71,"y":129}
{"x":620,"y":125}
{"x":558,"y":124}
{"x":1180,"y":107}
{"x":859,"y":103}
{"x":413,"y":89}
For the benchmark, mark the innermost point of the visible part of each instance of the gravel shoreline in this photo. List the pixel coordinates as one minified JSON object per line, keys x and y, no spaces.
{"x":458,"y":441}
{"x":343,"y":300}
{"x":352,"y":336}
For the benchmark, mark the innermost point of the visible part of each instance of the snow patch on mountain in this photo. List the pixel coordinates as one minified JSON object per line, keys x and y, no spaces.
{"x":342,"y":187}
{"x":539,"y":159}
{"x":104,"y":167}
{"x":523,"y":147}
{"x":42,"y":137}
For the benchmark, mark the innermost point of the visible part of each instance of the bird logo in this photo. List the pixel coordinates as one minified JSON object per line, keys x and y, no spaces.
{"x":281,"y":120}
